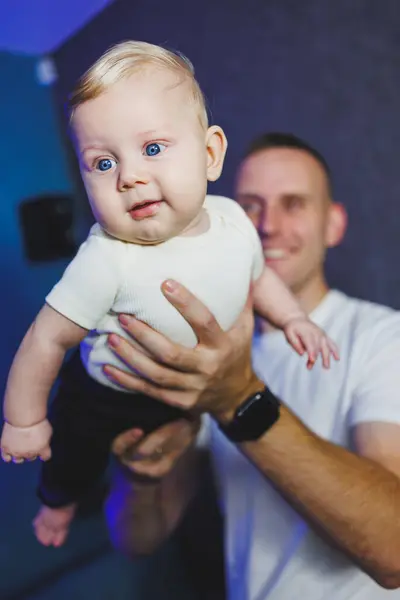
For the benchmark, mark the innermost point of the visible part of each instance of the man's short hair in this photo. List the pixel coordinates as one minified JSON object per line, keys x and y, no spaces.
{"x":272,"y":140}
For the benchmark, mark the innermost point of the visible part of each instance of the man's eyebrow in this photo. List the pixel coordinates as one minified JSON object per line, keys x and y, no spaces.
{"x":250,"y":197}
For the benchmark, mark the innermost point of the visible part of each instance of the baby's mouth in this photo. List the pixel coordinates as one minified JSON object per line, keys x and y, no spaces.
{"x":145,"y":209}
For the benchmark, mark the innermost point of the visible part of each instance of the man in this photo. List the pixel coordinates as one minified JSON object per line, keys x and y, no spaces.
{"x":311,"y":498}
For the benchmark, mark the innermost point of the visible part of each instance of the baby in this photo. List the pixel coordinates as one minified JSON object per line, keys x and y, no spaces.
{"x":146,"y":152}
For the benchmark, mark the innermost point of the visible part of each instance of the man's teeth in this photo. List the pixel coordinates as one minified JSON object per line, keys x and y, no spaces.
{"x":274,"y":253}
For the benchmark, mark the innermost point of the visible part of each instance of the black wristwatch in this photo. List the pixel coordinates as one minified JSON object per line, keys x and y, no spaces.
{"x":253,"y":418}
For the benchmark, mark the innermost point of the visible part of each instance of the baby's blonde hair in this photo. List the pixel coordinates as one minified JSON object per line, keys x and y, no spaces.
{"x":125,"y":58}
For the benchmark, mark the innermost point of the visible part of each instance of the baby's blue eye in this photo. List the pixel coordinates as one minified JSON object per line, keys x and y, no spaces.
{"x":154,"y":149}
{"x":105,"y":164}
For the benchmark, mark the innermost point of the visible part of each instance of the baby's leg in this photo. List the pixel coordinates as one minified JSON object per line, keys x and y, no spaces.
{"x":78,"y":462}
{"x":80,"y":451}
{"x":51,"y":525}
{"x":86,"y":418}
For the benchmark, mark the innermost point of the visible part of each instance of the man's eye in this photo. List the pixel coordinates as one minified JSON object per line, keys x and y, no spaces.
{"x":294,"y":202}
{"x":251,"y":208}
{"x":105,"y":164}
{"x":154,"y":149}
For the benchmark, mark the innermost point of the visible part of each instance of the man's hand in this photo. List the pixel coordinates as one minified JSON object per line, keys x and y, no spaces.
{"x":156,"y":477}
{"x":155,"y":455}
{"x":215,"y":376}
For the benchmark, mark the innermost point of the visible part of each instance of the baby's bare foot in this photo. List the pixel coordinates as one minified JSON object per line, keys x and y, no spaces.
{"x":51,"y":525}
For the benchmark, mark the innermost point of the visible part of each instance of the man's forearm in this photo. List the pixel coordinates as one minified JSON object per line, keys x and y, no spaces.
{"x":352,"y":500}
{"x":141,"y":515}
{"x":135,"y":514}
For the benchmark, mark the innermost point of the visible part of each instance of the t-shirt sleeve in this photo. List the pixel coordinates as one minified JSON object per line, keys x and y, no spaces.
{"x":377,"y":394}
{"x":89,"y":285}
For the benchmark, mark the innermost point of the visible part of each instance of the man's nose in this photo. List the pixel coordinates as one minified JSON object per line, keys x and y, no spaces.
{"x":269,"y":221}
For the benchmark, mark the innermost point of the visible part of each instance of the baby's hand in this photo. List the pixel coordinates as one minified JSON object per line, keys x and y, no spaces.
{"x":20,"y":443}
{"x":304,"y":336}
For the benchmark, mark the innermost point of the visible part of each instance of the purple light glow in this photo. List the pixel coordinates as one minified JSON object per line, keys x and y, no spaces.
{"x":38,"y":27}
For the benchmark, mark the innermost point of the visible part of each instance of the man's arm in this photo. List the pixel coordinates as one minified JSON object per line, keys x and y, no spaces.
{"x":354,"y":499}
{"x":150,"y":492}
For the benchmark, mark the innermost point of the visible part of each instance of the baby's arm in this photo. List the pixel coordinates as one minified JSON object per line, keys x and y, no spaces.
{"x":274,"y":302}
{"x":73,"y":307}
{"x":32,"y":375}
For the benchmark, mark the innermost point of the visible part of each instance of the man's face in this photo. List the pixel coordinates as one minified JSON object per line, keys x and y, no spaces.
{"x":143,"y":157}
{"x":285,"y":193}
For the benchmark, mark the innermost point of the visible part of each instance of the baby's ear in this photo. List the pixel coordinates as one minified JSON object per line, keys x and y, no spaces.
{"x":217,"y":144}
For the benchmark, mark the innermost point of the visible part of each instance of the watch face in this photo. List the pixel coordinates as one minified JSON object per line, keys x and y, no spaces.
{"x":254,"y":417}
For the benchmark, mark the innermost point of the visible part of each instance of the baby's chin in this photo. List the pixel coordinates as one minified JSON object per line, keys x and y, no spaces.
{"x":134,"y":239}
{"x":150,"y":233}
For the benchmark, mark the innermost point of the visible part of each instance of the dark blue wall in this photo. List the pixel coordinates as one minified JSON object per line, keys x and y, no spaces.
{"x":32,"y":160}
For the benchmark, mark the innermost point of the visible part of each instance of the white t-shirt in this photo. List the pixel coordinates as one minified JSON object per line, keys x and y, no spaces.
{"x":271,"y":552}
{"x":108,"y":277}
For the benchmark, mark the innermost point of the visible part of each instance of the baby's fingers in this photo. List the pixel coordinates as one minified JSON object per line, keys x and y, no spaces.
{"x":334,"y":350}
{"x":325,"y":353}
{"x":312,"y":346}
{"x":6,"y":456}
{"x":296,"y":342}
{"x":328,"y":349}
{"x":45,"y":454}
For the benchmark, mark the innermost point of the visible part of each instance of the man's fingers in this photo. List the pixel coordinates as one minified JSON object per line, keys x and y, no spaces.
{"x":154,"y":344}
{"x":125,"y":440}
{"x":160,"y":391}
{"x":154,"y":455}
{"x":145,"y":366}
{"x":159,"y":452}
{"x":170,"y":365}
{"x":154,"y":469}
{"x":169,"y":436}
{"x":198,"y":316}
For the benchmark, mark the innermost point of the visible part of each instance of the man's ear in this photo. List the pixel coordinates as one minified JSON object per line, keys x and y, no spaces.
{"x":216,"y":144}
{"x":336,"y":225}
